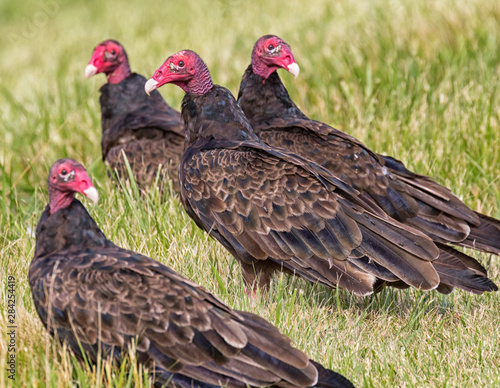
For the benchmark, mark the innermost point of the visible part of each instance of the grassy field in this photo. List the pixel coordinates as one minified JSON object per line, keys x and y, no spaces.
{"x":414,"y":79}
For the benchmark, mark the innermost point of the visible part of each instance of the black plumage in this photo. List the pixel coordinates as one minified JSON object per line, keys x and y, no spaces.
{"x":412,"y":199}
{"x":98,"y":297}
{"x":145,"y":128}
{"x":274,"y":210}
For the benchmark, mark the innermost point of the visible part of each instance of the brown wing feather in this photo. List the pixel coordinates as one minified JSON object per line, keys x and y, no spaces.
{"x":146,"y":157}
{"x":112,"y":295}
{"x":268,"y":206}
{"x":402,"y":194}
{"x":411,"y":198}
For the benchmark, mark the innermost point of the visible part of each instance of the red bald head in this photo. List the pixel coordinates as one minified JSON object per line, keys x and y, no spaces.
{"x":65,"y":178}
{"x":184,"y":69}
{"x":109,"y":58}
{"x":271,"y":53}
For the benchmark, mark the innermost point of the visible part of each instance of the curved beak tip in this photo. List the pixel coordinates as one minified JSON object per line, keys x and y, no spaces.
{"x":150,"y":86}
{"x":91,"y":193}
{"x":90,"y":70}
{"x":294,"y":69}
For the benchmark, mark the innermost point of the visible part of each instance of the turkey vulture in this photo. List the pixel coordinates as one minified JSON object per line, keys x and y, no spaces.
{"x":146,"y":129}
{"x":274,"y":210}
{"x":412,"y":199}
{"x":98,"y":297}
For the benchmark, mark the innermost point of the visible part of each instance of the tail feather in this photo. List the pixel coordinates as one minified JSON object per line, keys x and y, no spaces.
{"x":368,"y":265}
{"x":485,"y":236}
{"x":444,"y":289}
{"x":330,"y":379}
{"x":407,"y":267}
{"x":164,"y":378}
{"x":441,"y":227}
{"x":455,"y":269}
{"x":467,"y":261}
{"x":279,"y":368}
{"x":404,"y":251}
{"x":333,"y":273}
{"x":439,"y":197}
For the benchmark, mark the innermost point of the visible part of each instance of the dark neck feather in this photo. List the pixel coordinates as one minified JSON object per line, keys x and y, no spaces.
{"x":69,"y":228}
{"x":265,"y":99}
{"x":214,"y":115}
{"x":118,"y":101}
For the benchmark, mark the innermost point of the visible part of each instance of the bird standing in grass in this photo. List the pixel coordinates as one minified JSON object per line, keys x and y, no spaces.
{"x":98,"y":297}
{"x":276,"y":211}
{"x":146,"y":129}
{"x":412,"y":199}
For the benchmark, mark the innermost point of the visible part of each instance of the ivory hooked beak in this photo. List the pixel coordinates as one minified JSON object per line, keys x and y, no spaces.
{"x":90,"y":70}
{"x":294,"y":69}
{"x":91,"y":193}
{"x":150,"y":85}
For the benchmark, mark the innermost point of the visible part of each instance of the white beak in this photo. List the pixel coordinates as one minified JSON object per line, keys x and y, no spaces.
{"x":90,"y":70}
{"x":150,"y":85}
{"x":91,"y":193}
{"x":294,"y":69}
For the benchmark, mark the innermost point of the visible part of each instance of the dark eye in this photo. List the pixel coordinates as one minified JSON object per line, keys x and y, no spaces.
{"x":113,"y":52}
{"x":270,"y":47}
{"x":66,"y":175}
{"x":181,"y":64}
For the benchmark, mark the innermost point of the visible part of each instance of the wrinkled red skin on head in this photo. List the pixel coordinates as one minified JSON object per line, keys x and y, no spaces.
{"x":115,"y":66}
{"x":266,"y":60}
{"x":171,"y":71}
{"x":186,"y":70}
{"x":65,"y":178}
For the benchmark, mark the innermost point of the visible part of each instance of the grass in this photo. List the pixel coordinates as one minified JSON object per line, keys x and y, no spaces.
{"x":414,"y":79}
